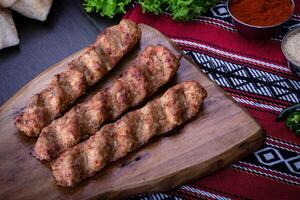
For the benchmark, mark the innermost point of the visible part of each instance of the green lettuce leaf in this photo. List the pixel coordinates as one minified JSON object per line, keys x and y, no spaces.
{"x":183,"y":10}
{"x":106,"y":8}
{"x":179,"y":9}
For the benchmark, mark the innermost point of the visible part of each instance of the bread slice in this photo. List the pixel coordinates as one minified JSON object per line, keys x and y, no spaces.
{"x":35,"y":9}
{"x":8,"y":31}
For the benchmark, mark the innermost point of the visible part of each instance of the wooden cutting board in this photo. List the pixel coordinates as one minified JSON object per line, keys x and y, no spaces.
{"x":221,"y":134}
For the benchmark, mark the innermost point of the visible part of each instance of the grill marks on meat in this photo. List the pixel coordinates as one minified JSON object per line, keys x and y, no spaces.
{"x":153,"y":68}
{"x":82,"y":72}
{"x":113,"y":141}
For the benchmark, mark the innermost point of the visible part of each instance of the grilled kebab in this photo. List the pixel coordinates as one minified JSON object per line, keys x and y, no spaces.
{"x":84,"y":71}
{"x":113,"y":141}
{"x":153,"y":68}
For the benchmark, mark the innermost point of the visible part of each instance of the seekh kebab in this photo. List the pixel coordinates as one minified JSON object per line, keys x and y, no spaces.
{"x":113,"y":141}
{"x":83,"y":72}
{"x":152,"y":69}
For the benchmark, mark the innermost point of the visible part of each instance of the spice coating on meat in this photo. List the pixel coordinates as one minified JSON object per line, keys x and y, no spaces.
{"x":153,"y":68}
{"x":113,"y":141}
{"x":84,"y":71}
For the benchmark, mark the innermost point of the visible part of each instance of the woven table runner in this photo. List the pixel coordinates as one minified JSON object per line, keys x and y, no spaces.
{"x":255,"y":73}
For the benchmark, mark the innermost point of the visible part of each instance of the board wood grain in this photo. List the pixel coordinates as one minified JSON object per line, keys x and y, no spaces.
{"x":222,"y":133}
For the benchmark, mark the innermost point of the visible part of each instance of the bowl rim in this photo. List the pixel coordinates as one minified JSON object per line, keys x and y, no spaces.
{"x":261,"y":27}
{"x":284,"y":39}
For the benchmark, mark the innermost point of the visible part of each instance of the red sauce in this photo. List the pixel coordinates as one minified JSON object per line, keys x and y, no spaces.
{"x":261,"y":12}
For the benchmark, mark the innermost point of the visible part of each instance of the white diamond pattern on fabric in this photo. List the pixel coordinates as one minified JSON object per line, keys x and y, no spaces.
{"x":270,"y":156}
{"x":248,"y":79}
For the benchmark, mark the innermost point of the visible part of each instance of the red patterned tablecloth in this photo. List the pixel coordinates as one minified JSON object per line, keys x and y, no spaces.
{"x":254,"y":73}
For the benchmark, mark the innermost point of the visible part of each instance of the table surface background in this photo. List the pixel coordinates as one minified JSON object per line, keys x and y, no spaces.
{"x":43,"y":44}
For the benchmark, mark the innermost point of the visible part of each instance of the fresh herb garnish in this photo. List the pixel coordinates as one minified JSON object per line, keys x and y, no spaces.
{"x":293,"y":118}
{"x":182,"y":10}
{"x":107,"y":8}
{"x":293,"y":122}
{"x":179,"y":9}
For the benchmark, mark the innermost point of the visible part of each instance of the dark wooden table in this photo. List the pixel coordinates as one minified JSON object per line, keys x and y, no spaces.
{"x":43,"y":44}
